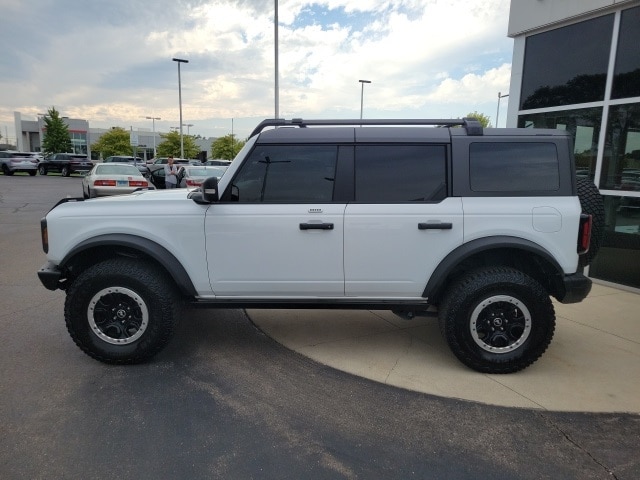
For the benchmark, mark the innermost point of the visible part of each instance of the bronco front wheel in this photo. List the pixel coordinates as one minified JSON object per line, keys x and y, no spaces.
{"x":121,"y":310}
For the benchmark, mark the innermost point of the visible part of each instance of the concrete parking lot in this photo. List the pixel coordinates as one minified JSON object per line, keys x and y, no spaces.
{"x":294,"y":394}
{"x":588,"y":366}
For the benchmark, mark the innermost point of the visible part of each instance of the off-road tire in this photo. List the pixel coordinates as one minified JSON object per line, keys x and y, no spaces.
{"x":497,"y":320}
{"x":122,"y":310}
{"x":591,"y":203}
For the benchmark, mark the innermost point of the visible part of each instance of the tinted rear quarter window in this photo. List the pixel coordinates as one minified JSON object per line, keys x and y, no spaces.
{"x":513,"y":167}
{"x":400,"y":173}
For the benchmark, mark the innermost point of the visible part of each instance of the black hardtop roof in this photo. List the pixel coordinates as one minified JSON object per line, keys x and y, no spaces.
{"x":381,"y":130}
{"x":286,"y":135}
{"x":471,"y":125}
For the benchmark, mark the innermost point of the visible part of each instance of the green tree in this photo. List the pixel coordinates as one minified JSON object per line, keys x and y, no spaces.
{"x":170,"y":146}
{"x":56,"y":134}
{"x":226,"y":147}
{"x":114,"y":142}
{"x":484,"y":120}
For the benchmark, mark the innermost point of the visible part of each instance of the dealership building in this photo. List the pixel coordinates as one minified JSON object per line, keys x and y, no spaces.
{"x":576,"y":66}
{"x":32,"y":133}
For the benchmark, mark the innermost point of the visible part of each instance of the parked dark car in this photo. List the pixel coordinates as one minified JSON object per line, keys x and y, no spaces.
{"x":189,"y":176}
{"x":65,"y":163}
{"x":137,"y":161}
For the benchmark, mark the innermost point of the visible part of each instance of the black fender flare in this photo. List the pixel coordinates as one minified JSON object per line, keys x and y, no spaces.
{"x":467,"y":250}
{"x":148,"y":247}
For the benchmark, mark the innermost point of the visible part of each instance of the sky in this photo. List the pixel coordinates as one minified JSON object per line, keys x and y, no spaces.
{"x":110,"y":61}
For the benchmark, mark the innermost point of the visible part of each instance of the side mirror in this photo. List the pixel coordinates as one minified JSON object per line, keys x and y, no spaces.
{"x":208,"y":192}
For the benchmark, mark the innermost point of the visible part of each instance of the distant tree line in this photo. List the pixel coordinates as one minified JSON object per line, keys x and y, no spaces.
{"x":117,"y":141}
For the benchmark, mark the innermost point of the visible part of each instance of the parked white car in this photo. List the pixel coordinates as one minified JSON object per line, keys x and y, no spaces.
{"x":113,"y":179}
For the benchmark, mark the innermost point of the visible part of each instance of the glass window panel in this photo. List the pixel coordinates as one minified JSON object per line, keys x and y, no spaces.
{"x":583,"y":124}
{"x":621,"y":159}
{"x":618,"y":259}
{"x":513,"y":167}
{"x":561,"y":68}
{"x":626,"y":80}
{"x":287,"y":174}
{"x":400,"y":173}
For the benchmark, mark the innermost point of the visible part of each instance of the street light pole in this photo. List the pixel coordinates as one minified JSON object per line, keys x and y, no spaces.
{"x":180,"y":60}
{"x":188,"y":125}
{"x":498,"y":112}
{"x":276,"y":86}
{"x":153,"y":119}
{"x":362,"y":95}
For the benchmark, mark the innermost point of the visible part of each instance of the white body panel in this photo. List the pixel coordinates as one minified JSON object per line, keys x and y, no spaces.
{"x":387,"y":255}
{"x":167,"y":218}
{"x":550,"y":222}
{"x":259,"y":250}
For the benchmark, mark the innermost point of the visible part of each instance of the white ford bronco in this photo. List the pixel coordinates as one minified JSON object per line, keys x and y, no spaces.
{"x":477,"y":226}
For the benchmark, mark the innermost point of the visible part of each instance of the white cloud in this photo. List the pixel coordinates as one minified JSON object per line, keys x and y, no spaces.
{"x":115,"y":69}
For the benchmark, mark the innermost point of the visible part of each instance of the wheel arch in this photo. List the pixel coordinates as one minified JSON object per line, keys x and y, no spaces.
{"x":519,"y":253}
{"x":107,"y":246}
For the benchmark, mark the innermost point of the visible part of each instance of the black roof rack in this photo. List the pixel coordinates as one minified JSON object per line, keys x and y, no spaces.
{"x":472,"y":125}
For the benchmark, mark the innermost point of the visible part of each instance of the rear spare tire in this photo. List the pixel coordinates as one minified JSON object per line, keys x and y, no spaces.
{"x":592,"y":204}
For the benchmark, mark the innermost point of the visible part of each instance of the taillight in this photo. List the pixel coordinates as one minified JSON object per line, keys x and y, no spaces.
{"x":44,"y":234}
{"x":584,"y":233}
{"x":138,"y":183}
{"x":104,"y":183}
{"x":193,"y":183}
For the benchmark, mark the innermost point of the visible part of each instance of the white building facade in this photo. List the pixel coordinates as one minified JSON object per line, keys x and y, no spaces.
{"x":576,"y":66}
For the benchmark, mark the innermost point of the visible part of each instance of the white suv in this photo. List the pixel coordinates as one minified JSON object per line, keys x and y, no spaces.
{"x":11,"y":162}
{"x":480,"y":225}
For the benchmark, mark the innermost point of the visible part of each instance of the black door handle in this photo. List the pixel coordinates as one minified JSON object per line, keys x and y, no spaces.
{"x":316,"y":226}
{"x":435,"y":226}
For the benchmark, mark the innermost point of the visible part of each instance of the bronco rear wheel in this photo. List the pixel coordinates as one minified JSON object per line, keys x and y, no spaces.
{"x":497,"y":320}
{"x":121,"y":310}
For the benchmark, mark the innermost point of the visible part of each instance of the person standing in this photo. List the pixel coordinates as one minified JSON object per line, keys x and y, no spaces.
{"x":170,"y":174}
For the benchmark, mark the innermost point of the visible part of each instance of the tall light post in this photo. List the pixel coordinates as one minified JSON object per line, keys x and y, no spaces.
{"x":187,"y":125}
{"x":180,"y":60}
{"x":153,"y":119}
{"x":276,"y":86}
{"x":362,"y":95}
{"x":498,"y":112}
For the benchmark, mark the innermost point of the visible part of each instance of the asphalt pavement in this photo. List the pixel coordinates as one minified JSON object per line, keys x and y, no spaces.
{"x":234,"y":396}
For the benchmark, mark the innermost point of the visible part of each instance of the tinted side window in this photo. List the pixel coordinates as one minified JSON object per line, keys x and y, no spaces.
{"x":400,"y":173}
{"x":287,"y":174}
{"x":513,"y":167}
